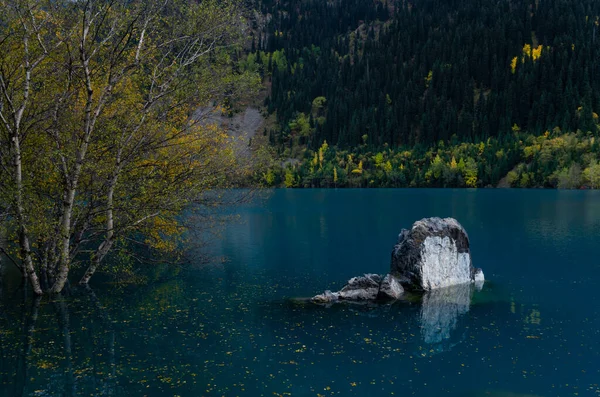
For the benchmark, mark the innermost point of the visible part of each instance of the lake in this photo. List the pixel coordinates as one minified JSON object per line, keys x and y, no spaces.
{"x":230,"y":328}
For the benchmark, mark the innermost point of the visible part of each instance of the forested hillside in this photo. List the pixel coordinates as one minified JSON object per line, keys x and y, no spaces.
{"x":505,"y":86}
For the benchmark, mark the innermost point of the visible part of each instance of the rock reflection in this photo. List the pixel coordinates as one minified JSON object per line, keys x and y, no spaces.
{"x":440,"y":313}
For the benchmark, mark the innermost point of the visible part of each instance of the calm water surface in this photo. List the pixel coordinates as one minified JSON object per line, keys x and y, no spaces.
{"x":230,"y":329}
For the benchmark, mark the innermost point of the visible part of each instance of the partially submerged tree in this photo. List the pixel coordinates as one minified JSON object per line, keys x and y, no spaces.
{"x":97,"y":139}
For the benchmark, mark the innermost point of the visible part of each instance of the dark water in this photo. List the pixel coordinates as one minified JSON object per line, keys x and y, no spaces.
{"x":230,"y":329}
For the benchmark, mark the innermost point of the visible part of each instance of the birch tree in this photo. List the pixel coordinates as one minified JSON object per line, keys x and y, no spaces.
{"x":25,"y":47}
{"x":112,"y":147}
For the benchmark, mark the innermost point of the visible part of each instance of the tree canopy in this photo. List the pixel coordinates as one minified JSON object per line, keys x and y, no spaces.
{"x":437,"y":80}
{"x":97,"y":138}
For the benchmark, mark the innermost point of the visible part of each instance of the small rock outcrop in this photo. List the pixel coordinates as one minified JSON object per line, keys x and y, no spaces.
{"x":434,"y":253}
{"x":390,"y":288}
{"x":364,"y":288}
{"x":361,"y":288}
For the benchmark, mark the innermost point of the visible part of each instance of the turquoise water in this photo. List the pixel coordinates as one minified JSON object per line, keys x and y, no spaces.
{"x":230,"y":328}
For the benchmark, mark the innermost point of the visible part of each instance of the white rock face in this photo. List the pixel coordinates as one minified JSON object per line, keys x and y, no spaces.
{"x":442,"y":264}
{"x":434,"y":253}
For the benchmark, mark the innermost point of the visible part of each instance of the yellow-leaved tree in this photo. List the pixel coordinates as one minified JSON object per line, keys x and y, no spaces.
{"x":98,"y":139}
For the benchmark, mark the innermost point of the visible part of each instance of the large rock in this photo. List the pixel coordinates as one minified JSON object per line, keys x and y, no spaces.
{"x":435,"y":253}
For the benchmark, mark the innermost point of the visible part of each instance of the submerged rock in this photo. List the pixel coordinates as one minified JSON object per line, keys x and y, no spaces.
{"x":369,"y":287}
{"x":326,"y":297}
{"x":434,"y":254}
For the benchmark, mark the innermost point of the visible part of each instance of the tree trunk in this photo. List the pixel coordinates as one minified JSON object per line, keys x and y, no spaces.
{"x":20,"y":215}
{"x":65,"y":239}
{"x":96,"y":261}
{"x":72,"y":182}
{"x":26,"y":254}
{"x":15,"y":146}
{"x":108,"y":241}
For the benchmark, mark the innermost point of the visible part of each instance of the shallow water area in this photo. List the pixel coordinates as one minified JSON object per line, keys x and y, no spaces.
{"x":233,"y":328}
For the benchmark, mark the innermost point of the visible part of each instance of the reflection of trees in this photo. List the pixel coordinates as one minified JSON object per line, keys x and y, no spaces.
{"x":36,"y":352}
{"x":62,"y":312}
{"x":128,"y":341}
{"x":62,"y":347}
{"x":109,"y":386}
{"x":440,"y":312}
{"x":28,"y":321}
